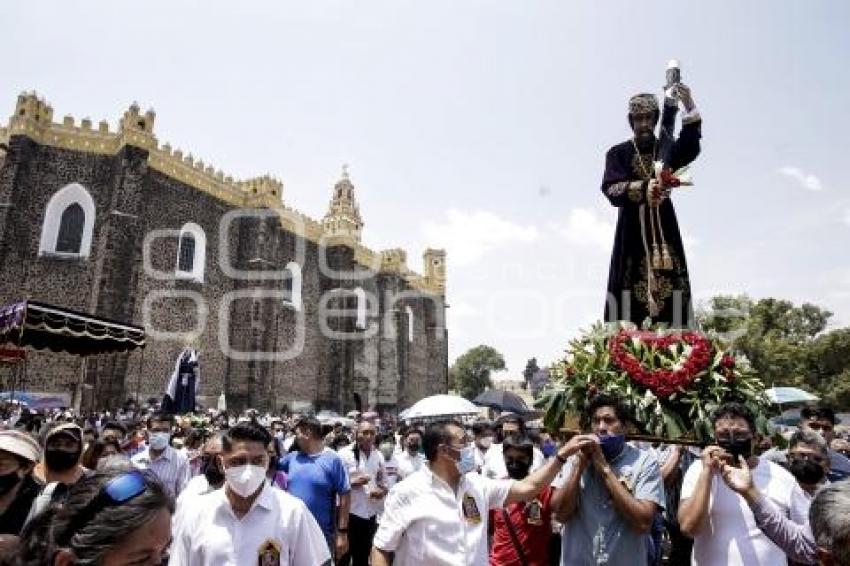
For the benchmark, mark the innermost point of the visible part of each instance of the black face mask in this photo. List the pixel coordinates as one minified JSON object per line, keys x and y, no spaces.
{"x":806,"y":472}
{"x":211,"y":471}
{"x":59,"y":460}
{"x":517,"y":470}
{"x":8,"y":482}
{"x":736,"y":446}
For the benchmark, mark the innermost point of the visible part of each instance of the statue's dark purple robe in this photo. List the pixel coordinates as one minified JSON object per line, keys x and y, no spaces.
{"x":627,"y":297}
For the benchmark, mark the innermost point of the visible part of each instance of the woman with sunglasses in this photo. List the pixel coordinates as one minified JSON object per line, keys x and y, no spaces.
{"x":117,"y":518}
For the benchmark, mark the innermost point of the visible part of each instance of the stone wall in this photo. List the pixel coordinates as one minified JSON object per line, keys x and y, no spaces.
{"x":133,"y":201}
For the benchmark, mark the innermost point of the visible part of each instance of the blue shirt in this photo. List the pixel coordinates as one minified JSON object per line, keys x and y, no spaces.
{"x":597,"y":534}
{"x":316,"y":480}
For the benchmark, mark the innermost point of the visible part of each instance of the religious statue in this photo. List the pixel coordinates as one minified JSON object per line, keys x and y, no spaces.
{"x":648,"y":276}
{"x":183,"y":385}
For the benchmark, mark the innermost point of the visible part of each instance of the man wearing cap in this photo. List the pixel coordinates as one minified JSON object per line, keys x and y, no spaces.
{"x":507,"y":424}
{"x":648,"y":275}
{"x":63,"y":447}
{"x":61,"y":467}
{"x":19,"y":453}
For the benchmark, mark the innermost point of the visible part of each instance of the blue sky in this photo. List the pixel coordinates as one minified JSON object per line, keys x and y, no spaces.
{"x":481,"y":126}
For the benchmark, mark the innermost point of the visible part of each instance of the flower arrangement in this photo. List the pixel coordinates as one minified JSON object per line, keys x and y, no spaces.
{"x":670,"y":381}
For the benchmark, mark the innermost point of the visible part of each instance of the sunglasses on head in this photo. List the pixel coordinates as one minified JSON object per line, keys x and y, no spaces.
{"x":117,"y":491}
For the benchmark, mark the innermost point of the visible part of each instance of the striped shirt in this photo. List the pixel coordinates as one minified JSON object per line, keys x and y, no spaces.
{"x":171,"y":468}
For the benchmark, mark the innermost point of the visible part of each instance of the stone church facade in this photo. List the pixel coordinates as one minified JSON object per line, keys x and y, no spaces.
{"x":285,"y":311}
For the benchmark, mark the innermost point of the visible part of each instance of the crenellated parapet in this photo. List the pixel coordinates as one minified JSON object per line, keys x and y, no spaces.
{"x":394,"y":261}
{"x":342,"y":225}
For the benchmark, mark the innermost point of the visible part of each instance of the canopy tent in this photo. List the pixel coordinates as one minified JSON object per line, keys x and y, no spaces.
{"x":43,"y":326}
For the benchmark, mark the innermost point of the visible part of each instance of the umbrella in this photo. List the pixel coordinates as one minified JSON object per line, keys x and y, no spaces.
{"x":785,"y":395}
{"x":789,"y":417}
{"x":502,"y":401}
{"x":439,"y":406}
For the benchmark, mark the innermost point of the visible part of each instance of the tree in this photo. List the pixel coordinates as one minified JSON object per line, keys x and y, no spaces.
{"x":528,"y":373}
{"x":470,"y":373}
{"x":786,"y":344}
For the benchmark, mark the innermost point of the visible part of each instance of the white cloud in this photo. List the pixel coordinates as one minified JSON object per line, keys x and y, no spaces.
{"x":585,"y":227}
{"x":807,"y":180}
{"x":468,"y":236}
{"x":847,"y":216}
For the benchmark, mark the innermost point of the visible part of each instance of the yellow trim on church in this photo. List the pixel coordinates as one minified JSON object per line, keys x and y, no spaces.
{"x":33,"y":118}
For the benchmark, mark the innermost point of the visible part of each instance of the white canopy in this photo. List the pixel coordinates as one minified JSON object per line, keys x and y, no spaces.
{"x":439,"y":406}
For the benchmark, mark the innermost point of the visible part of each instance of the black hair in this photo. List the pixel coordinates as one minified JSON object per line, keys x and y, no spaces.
{"x":519,"y":442}
{"x":48,"y":532}
{"x":480,"y":427}
{"x":250,"y":431}
{"x":115,"y":425}
{"x":436,"y":434}
{"x":311,"y":424}
{"x":820,"y":413}
{"x":95,"y":450}
{"x":160,"y":417}
{"x":734,"y":410}
{"x":411,"y":430}
{"x":603,"y":400}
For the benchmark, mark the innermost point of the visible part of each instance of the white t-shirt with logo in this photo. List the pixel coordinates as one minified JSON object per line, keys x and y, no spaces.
{"x":730,"y":535}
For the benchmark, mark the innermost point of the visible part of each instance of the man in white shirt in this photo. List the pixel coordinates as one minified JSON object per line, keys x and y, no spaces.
{"x":211,"y":477}
{"x":482,"y":432}
{"x":494,"y":459}
{"x":367,"y":477}
{"x":721,"y":523}
{"x":410,"y":459}
{"x":167,"y":464}
{"x":438,"y":516}
{"x":249,"y":521}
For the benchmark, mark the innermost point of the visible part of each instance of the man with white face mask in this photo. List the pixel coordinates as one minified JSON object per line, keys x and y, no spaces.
{"x":167,"y":464}
{"x":249,"y":521}
{"x":439,"y":515}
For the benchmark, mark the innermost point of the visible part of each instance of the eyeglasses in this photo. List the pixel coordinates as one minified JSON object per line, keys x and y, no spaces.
{"x":117,"y":491}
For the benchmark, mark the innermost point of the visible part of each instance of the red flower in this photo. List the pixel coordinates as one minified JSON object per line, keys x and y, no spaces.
{"x":727,"y":361}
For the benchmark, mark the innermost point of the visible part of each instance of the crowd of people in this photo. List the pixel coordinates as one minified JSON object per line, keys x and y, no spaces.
{"x":147,"y":487}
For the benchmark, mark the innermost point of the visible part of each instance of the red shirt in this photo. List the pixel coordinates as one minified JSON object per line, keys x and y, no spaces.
{"x":533,"y":527}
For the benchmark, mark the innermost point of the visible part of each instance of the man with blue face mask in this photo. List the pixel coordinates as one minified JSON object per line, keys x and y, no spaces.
{"x":167,"y":464}
{"x":439,"y":515}
{"x":608,"y":493}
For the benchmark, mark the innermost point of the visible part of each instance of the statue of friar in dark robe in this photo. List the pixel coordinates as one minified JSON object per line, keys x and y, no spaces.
{"x":183,"y":385}
{"x":648,"y":276}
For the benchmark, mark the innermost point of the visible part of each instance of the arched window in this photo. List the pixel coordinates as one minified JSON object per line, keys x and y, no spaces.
{"x":293,"y":285}
{"x":71,"y":225}
{"x":191,"y":252}
{"x":409,"y":312}
{"x":68,"y":222}
{"x":360,"y":294}
{"x":186,"y":257}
